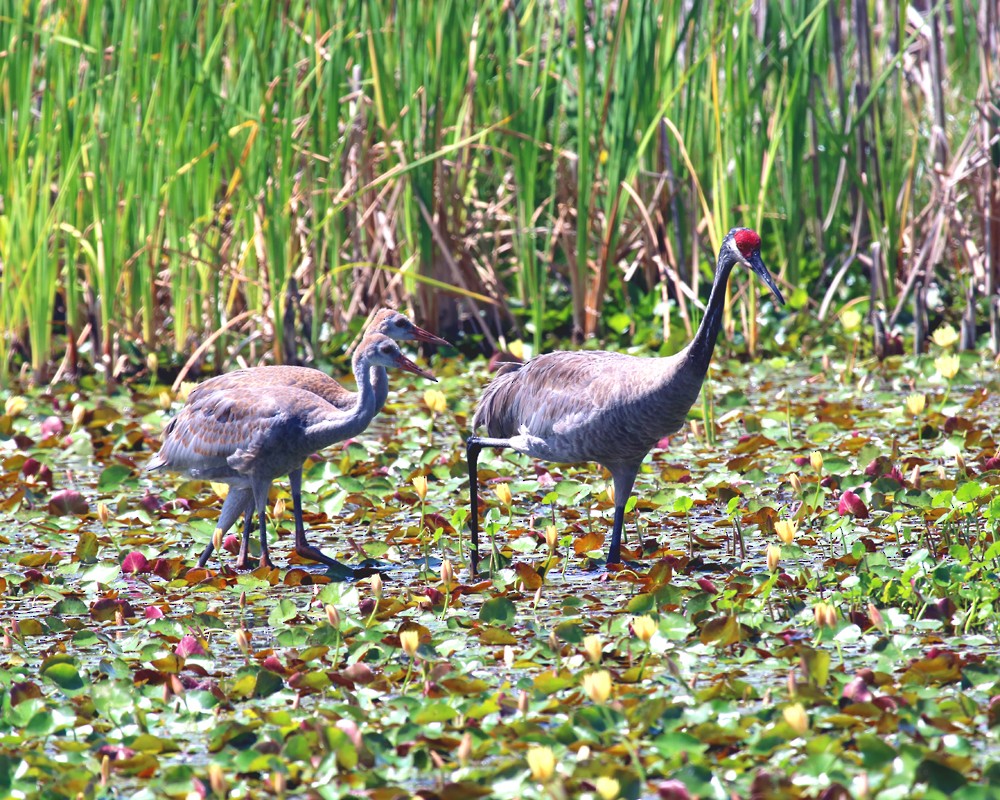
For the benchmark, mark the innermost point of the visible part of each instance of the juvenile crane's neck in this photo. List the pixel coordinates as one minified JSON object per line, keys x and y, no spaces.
{"x":380,"y":382}
{"x":338,"y":425}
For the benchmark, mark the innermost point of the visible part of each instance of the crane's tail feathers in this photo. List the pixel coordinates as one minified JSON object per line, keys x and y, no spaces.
{"x":155,"y":463}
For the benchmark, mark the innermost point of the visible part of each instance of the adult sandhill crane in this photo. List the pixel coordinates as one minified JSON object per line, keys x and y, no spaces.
{"x":386,"y":321}
{"x":247,"y":436}
{"x":605,"y":407}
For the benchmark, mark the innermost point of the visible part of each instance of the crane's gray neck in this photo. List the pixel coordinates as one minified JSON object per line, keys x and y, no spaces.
{"x":341,"y":425}
{"x":699,"y":353}
{"x":380,"y":380}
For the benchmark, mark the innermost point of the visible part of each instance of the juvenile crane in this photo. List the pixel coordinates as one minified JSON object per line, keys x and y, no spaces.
{"x":386,"y":321}
{"x":247,"y":437}
{"x":606,"y":407}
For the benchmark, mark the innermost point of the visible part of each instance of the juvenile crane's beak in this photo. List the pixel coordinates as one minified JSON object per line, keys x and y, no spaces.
{"x":426,"y":336}
{"x":756,"y":263}
{"x":403,"y":363}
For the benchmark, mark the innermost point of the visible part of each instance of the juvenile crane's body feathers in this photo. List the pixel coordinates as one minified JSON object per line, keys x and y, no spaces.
{"x":247,"y":434}
{"x":606,"y":407}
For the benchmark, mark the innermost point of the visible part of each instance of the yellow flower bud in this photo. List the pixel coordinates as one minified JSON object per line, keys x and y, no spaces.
{"x":542,"y":763}
{"x":508,"y":656}
{"x":152,"y":362}
{"x":447,"y":574}
{"x":551,"y":538}
{"x":243,"y":641}
{"x":164,"y":399}
{"x":594,"y":648}
{"x":15,"y":404}
{"x":420,"y":485}
{"x":793,"y":479}
{"x":773,"y":557}
{"x":376,"y":583}
{"x":597,"y":686}
{"x":279,"y":509}
{"x":915,"y":404}
{"x":465,"y":748}
{"x":79,"y":415}
{"x":435,"y":400}
{"x":607,"y":788}
{"x":103,"y":513}
{"x":332,"y":616}
{"x":409,"y":640}
{"x":217,"y":538}
{"x":850,"y":319}
{"x":504,"y":495}
{"x":816,"y":461}
{"x":644,"y":627}
{"x":795,"y":716}
{"x":786,"y":530}
{"x":824,"y":615}
{"x":217,"y":781}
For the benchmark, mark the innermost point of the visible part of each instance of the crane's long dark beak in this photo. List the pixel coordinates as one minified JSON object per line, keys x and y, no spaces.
{"x":408,"y":366}
{"x":756,"y":263}
{"x":426,"y":336}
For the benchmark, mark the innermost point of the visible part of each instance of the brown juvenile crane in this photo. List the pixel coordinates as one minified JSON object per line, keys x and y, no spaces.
{"x":605,"y":407}
{"x":247,"y":436}
{"x":386,"y":321}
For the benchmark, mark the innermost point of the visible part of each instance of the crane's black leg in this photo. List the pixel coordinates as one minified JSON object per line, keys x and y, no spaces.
{"x":472,"y":448}
{"x":623,"y":476}
{"x":302,"y":546}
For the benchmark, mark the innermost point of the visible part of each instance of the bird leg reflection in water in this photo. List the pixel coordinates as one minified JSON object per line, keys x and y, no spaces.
{"x":611,"y":408}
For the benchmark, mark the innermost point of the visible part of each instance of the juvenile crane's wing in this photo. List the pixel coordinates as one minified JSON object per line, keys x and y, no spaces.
{"x":214,"y":426}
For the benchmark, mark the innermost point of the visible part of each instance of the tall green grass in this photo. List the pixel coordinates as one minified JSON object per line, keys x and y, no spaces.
{"x":175,"y":170}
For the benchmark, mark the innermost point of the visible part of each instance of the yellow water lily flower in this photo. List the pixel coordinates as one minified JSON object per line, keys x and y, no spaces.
{"x":542,"y":763}
{"x":435,"y":400}
{"x":945,"y":336}
{"x":947,"y":365}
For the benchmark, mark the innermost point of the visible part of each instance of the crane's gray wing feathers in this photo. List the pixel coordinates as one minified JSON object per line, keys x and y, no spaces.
{"x":281,"y":376}
{"x":215,"y":426}
{"x":553,"y":393}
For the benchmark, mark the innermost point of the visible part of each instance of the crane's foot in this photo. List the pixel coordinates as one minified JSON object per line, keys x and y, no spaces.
{"x":252,"y":563}
{"x":335,"y":569}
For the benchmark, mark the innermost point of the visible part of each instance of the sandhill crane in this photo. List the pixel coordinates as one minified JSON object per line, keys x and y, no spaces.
{"x":605,"y":407}
{"x":247,"y":436}
{"x":386,"y":321}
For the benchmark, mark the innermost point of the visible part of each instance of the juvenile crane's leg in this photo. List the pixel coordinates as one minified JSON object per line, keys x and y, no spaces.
{"x":243,"y":559}
{"x":473,"y":446}
{"x":261,"y":490}
{"x":237,"y":500}
{"x":302,"y":547}
{"x":623,"y":476}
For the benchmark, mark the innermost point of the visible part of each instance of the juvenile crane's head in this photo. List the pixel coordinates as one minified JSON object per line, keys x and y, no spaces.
{"x":742,"y":246}
{"x":391,"y":323}
{"x":377,"y":350}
